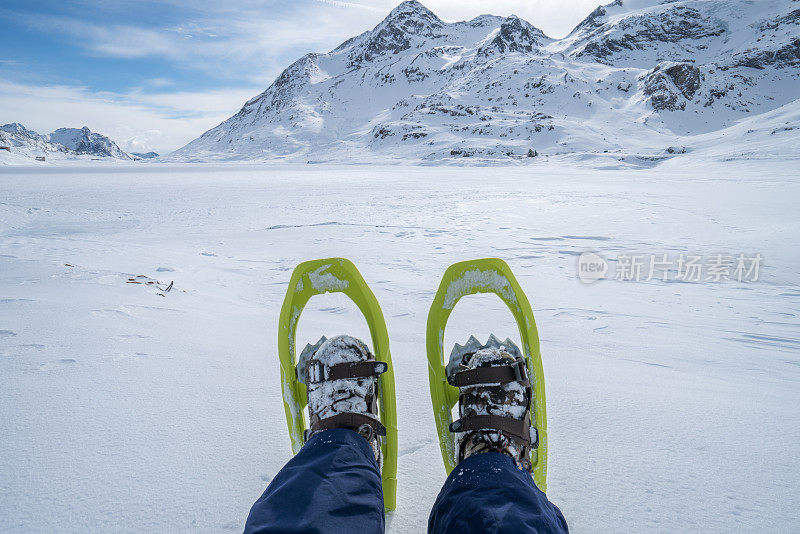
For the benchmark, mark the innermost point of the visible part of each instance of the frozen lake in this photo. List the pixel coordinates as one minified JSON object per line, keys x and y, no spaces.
{"x":673,"y":405}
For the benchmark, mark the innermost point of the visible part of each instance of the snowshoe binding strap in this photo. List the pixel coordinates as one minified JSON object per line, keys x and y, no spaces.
{"x":502,"y":374}
{"x":520,"y":431}
{"x":316,"y":371}
{"x":513,"y":427}
{"x":365,"y":425}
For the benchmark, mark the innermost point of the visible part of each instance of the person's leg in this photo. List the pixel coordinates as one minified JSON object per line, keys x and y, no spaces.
{"x":491,"y":489}
{"x":488,"y":493}
{"x":332,"y":485}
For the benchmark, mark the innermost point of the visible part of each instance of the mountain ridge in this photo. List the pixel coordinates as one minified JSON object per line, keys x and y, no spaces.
{"x":415,"y":88}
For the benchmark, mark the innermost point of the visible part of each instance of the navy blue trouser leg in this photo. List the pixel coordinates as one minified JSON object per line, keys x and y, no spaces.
{"x":486,"y":493}
{"x":332,"y":485}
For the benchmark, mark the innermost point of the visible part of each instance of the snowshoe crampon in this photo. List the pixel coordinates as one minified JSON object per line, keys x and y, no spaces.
{"x":337,"y":275}
{"x":489,"y":275}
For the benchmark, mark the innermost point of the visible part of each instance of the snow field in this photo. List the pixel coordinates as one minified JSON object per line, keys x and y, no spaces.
{"x":671,"y":406}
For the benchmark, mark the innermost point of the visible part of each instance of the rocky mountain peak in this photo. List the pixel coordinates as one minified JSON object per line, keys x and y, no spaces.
{"x":516,"y":35}
{"x":404,"y":27}
{"x":17,"y":128}
{"x":412,"y":11}
{"x":596,"y":18}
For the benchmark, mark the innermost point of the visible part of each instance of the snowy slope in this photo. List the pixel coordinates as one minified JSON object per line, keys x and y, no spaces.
{"x":672,"y":406}
{"x":630,"y":79}
{"x":25,"y":145}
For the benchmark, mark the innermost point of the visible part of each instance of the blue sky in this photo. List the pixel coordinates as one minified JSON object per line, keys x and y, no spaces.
{"x":153,"y":75}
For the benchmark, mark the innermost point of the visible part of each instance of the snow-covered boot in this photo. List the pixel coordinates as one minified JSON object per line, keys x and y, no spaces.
{"x":342,"y":380}
{"x":494,"y":400}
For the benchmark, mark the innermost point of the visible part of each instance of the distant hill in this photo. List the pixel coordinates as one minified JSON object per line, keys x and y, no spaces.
{"x":144,"y":155}
{"x":64,"y":143}
{"x":84,"y":141}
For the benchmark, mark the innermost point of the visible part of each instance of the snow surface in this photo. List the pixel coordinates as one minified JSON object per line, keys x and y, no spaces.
{"x":126,"y":407}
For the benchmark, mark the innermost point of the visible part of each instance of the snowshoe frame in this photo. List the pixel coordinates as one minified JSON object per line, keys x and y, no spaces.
{"x":489,"y":275}
{"x":336,"y":275}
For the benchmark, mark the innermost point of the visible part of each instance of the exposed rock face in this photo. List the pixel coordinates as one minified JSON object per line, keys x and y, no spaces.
{"x":516,"y":35}
{"x":680,"y":29}
{"x":596,"y":19}
{"x":417,"y":88}
{"x":671,"y":85}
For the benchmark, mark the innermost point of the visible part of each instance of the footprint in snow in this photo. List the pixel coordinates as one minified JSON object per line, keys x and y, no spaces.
{"x":111,"y":312}
{"x":338,"y":310}
{"x":55,"y":364}
{"x":209,"y":254}
{"x":134,"y":336}
{"x":132,"y":356}
{"x":17,"y":350}
{"x":7,"y":333}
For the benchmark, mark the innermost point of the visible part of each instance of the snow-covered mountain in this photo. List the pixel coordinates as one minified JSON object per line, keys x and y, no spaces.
{"x":144,"y":155}
{"x":635,"y":77}
{"x":22,"y":144}
{"x":26,"y":144}
{"x":85,"y":141}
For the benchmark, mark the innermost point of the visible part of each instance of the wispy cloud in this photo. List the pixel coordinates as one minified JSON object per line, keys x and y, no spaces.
{"x":247,"y":45}
{"x":116,"y":40}
{"x":136,"y":120}
{"x":337,"y":3}
{"x":159,"y":82}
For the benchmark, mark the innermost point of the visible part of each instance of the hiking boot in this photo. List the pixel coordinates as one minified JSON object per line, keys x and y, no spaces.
{"x":341,"y":375}
{"x":494,"y":401}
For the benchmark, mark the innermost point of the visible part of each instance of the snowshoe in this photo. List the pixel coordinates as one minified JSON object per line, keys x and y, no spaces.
{"x":338,"y":379}
{"x":499,"y":388}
